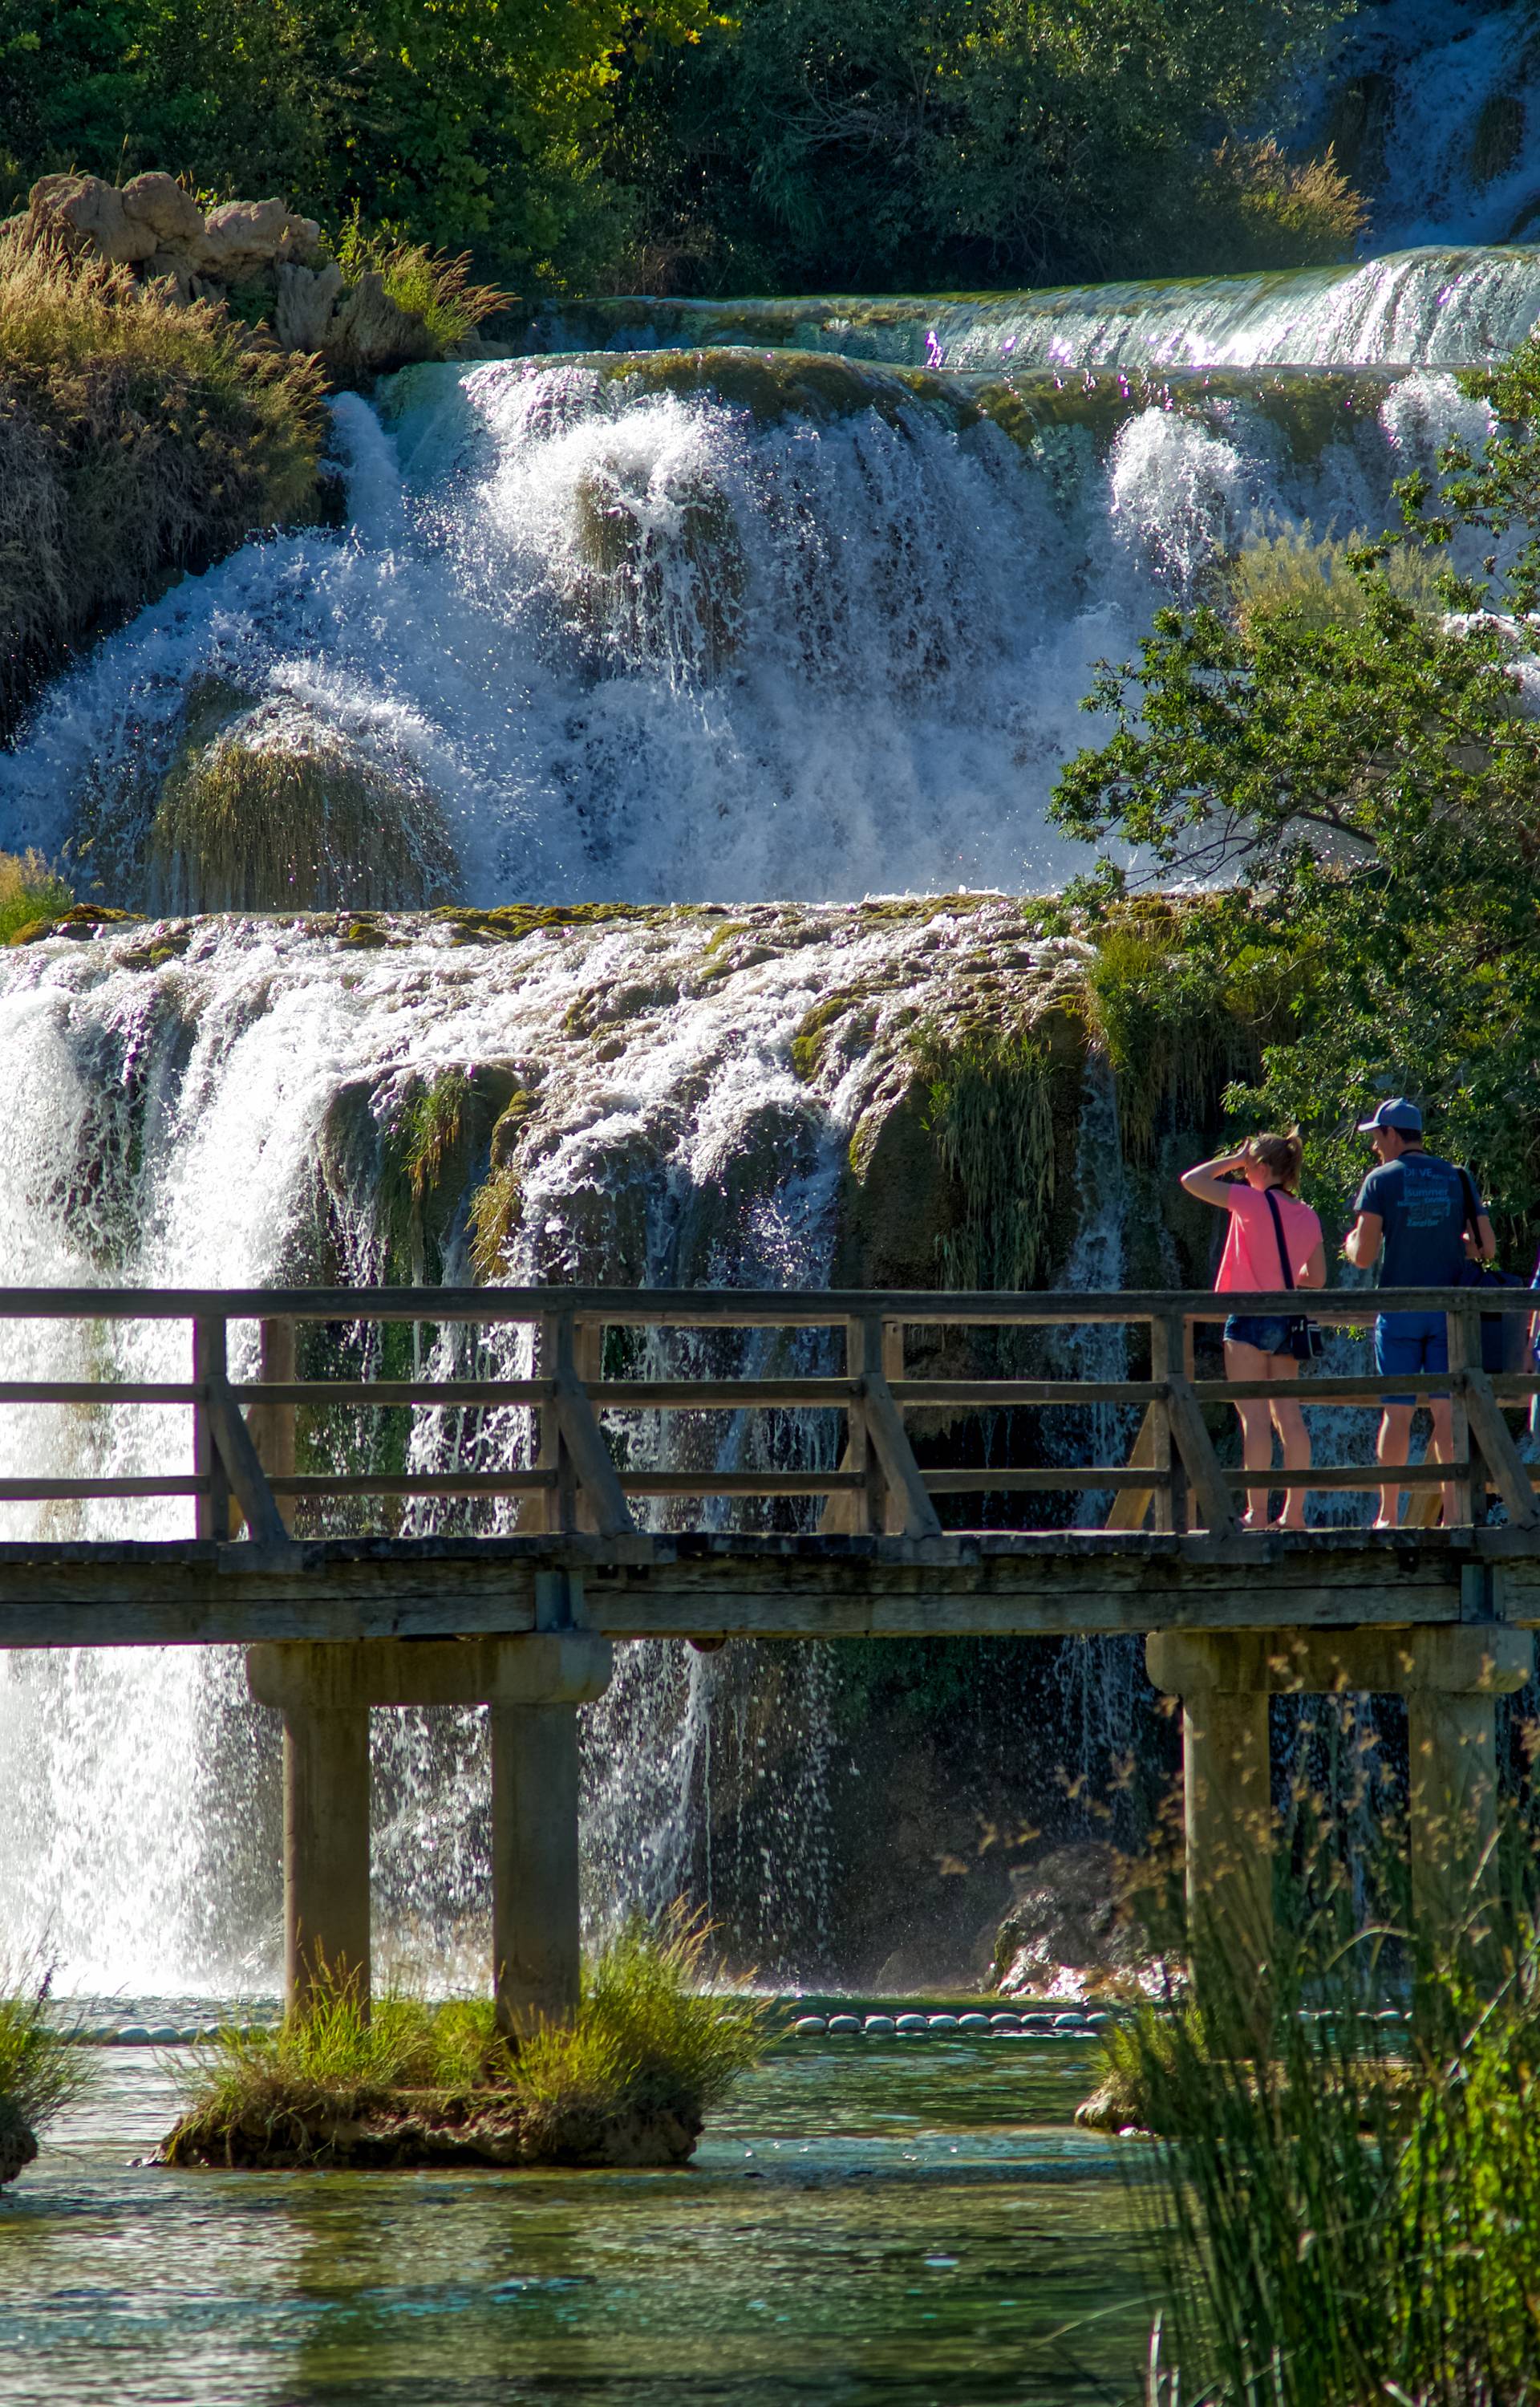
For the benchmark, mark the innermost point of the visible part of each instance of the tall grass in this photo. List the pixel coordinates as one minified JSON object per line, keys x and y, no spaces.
{"x":137,"y":439}
{"x":1350,"y":2214}
{"x":41,"y":2068}
{"x":30,"y":890}
{"x":431,"y":284}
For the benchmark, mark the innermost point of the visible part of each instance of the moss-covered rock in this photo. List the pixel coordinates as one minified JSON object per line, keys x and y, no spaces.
{"x":280,"y":809}
{"x":427,"y":2128}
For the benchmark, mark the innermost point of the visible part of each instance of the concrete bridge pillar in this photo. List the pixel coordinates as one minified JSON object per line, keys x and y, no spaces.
{"x":1227,"y":1800}
{"x":1450,"y":1674}
{"x":325,"y":1847}
{"x":533,"y":1686}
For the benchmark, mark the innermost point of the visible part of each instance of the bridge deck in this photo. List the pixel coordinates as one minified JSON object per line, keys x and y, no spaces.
{"x":562,"y":1468}
{"x":710,"y":1585}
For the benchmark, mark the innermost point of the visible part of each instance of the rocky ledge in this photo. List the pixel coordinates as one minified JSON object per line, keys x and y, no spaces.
{"x":431,"y":2127}
{"x":252,"y":252}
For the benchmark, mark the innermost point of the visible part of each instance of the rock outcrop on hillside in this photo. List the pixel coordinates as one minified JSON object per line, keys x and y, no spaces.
{"x":249,"y":253}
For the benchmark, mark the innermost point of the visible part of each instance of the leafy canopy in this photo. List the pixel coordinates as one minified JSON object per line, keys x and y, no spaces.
{"x":1364,"y":786}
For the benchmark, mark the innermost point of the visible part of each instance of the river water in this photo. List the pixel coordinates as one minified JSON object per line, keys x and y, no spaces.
{"x":914,"y":2224}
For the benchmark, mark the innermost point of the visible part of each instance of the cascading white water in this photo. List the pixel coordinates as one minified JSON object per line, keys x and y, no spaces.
{"x":637,"y":637}
{"x":649,"y":644}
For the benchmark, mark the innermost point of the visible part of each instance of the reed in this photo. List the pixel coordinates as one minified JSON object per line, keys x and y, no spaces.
{"x":1350,"y":2211}
{"x":30,"y":892}
{"x":41,"y":2069}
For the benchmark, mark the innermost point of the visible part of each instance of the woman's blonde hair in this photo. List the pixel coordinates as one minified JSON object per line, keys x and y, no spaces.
{"x":1282,"y":1155}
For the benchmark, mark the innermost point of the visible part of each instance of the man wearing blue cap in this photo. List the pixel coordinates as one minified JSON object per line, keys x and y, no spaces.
{"x":1421,"y":1209}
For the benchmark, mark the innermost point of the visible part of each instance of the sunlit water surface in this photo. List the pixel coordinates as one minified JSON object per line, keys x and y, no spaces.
{"x":907,"y":2223}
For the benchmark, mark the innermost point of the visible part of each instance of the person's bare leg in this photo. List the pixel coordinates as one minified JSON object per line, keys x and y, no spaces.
{"x":1395,"y":1438}
{"x":1295,"y":1438}
{"x":1441,"y":1450}
{"x":1256,"y":1430}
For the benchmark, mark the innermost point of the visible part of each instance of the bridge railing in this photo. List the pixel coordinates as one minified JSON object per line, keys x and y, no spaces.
{"x":243,"y":1453}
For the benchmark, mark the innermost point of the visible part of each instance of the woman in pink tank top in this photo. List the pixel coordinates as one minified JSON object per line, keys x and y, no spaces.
{"x":1257,"y":1188}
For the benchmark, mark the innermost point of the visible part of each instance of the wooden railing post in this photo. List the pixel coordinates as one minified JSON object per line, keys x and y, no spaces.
{"x":1465,"y":1489}
{"x":1171,"y":1347}
{"x":863,"y":1353}
{"x":213,"y":1508}
{"x":272,"y":1425}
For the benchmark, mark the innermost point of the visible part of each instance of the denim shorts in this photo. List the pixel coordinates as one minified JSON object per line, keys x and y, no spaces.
{"x":1267,"y":1336}
{"x":1411,"y":1341}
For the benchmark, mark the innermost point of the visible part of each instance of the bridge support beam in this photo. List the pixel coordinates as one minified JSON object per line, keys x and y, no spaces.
{"x":325,"y":1849}
{"x":536,"y":1952}
{"x":533,"y":1686}
{"x":1227,"y":1807}
{"x":1451,"y":1674}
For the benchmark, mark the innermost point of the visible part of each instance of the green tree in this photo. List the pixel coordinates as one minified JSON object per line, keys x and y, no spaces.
{"x":888,"y":142}
{"x":1363,"y":784}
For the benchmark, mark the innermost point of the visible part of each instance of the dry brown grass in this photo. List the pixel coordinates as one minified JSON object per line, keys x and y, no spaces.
{"x":136,"y":440}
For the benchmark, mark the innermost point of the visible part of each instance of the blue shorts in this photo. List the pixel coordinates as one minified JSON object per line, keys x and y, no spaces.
{"x":1267,"y":1336}
{"x":1411,"y":1341}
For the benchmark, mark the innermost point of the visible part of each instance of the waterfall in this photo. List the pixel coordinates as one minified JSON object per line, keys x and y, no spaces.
{"x":709,"y":637}
{"x":680,"y":638}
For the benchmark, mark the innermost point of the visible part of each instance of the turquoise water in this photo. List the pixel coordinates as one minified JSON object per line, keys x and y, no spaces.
{"x":908,"y":2223}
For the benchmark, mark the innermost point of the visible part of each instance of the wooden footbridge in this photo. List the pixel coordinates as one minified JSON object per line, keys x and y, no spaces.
{"x":523,"y":1617}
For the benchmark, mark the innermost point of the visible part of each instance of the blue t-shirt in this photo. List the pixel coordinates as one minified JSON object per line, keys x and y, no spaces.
{"x":1424,"y":1211}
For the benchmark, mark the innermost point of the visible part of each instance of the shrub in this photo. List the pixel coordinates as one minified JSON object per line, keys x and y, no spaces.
{"x":136,"y":440}
{"x":1295,"y":570}
{"x":29,"y":891}
{"x":654,"y":2033}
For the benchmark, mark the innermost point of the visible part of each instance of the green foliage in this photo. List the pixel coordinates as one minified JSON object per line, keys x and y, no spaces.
{"x":134,"y":441}
{"x":30,"y":890}
{"x":428,"y":283}
{"x":253,"y":822}
{"x":42,"y":2070}
{"x":1365,"y":778}
{"x":1291,"y":569}
{"x":989,"y":1112}
{"x":1157,"y":1003}
{"x":449,"y":120}
{"x":417,"y":1147}
{"x":946,"y":142}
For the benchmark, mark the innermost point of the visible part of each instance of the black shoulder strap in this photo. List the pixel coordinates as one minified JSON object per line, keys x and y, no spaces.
{"x":1278,"y":1232}
{"x":1473,"y":1206}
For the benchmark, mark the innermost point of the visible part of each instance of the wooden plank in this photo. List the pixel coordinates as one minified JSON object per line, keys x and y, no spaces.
{"x":1193,"y":1440}
{"x":1130,"y":1505}
{"x":61,"y":1491}
{"x":742,"y":1483}
{"x":891,"y":1440}
{"x":99,"y":1392}
{"x":595,"y":1471}
{"x":410,"y":1482}
{"x":700,"y":1307}
{"x":213,"y":1512}
{"x":1047,"y":1478}
{"x":246,"y":1474}
{"x":388,"y":1392}
{"x":993,"y":1394}
{"x":1509,"y":1473}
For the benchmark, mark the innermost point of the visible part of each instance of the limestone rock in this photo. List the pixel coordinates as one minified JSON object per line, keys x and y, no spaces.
{"x":371,"y":333}
{"x":240,"y":236}
{"x":90,"y":215}
{"x":1069,"y":1929}
{"x":170,"y":212}
{"x":306,"y":304}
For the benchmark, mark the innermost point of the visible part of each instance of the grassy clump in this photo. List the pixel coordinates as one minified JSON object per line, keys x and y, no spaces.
{"x":30,"y":892}
{"x":430,"y":284}
{"x":655,"y":2042}
{"x":989,"y":1112}
{"x":41,"y":2069}
{"x":1294,"y":570}
{"x":136,"y":440}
